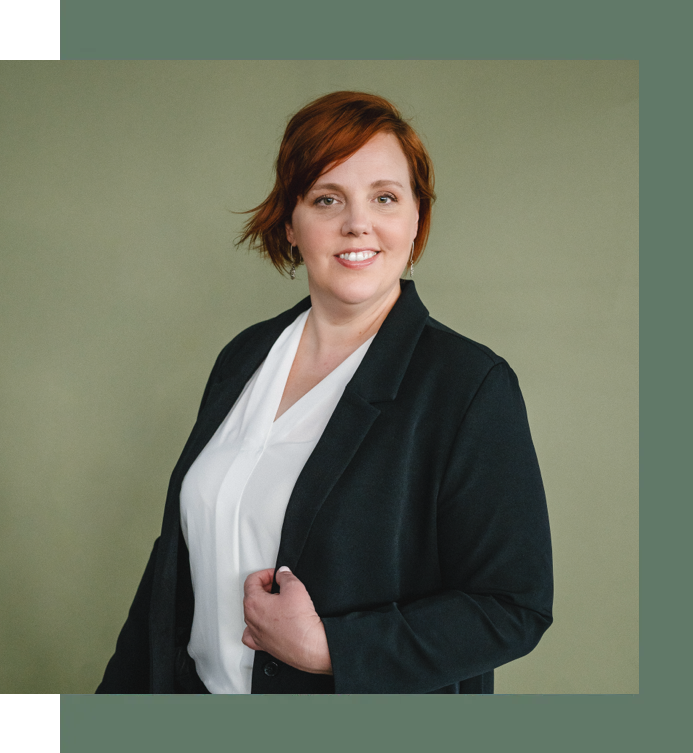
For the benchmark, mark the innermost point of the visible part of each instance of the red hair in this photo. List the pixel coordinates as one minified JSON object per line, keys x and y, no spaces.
{"x":320,"y":136}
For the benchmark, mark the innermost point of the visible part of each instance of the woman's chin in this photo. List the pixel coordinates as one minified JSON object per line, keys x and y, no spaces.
{"x":356,"y":292}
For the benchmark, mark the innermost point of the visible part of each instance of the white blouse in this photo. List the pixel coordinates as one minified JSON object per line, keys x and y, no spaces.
{"x":234,"y":497}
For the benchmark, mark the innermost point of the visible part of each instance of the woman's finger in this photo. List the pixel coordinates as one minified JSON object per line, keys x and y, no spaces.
{"x":285,"y":578}
{"x":258,"y":581}
{"x":291,"y":586}
{"x":267,"y":578}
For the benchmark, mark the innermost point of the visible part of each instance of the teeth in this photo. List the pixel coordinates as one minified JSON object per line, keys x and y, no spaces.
{"x":357,"y":255}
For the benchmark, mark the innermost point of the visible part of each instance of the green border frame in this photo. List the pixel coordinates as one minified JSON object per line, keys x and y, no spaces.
{"x":134,"y":724}
{"x":154,"y":29}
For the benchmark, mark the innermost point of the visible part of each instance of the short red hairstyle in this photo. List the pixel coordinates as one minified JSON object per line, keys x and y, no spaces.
{"x":320,"y":136}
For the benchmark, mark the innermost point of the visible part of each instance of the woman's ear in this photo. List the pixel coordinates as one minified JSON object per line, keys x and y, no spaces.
{"x":289,"y":233}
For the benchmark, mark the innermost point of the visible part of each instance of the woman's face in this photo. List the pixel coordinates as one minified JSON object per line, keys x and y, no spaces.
{"x":363,"y":207}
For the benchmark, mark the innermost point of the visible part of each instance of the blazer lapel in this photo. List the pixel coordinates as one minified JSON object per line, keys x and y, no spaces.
{"x":376,"y":380}
{"x":241,"y":366}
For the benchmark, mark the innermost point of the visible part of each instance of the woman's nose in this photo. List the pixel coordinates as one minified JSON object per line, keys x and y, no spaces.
{"x":356,"y":220}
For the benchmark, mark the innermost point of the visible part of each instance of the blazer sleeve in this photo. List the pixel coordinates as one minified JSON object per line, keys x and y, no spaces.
{"x":495,"y":563}
{"x":128,"y":670}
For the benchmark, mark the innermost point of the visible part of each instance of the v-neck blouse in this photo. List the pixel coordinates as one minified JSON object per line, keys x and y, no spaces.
{"x":234,"y":496}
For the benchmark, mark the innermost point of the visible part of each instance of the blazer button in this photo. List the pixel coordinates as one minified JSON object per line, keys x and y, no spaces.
{"x":271,"y":668}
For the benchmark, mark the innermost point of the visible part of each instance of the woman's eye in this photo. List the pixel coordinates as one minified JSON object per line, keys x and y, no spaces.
{"x":325,"y":201}
{"x":386,"y":199}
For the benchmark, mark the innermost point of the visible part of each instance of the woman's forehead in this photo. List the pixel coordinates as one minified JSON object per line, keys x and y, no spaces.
{"x":380,"y":162}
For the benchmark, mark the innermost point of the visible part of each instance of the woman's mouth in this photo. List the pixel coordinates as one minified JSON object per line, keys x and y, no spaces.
{"x":358,"y":255}
{"x":357,"y":259}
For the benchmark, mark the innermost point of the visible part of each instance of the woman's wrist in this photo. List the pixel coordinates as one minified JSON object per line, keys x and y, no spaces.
{"x":321,"y":662}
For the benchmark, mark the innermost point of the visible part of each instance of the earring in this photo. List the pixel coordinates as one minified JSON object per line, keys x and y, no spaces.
{"x":292,"y":271}
{"x":411,"y":261}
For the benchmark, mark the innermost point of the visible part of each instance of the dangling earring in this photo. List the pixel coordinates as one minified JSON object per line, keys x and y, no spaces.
{"x":411,"y":261}
{"x":292,"y":271}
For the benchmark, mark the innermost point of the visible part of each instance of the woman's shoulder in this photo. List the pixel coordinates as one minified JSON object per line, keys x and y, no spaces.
{"x":249,"y":345}
{"x":457,"y":367}
{"x":263,"y":332}
{"x":237,"y":344}
{"x":439,"y":339}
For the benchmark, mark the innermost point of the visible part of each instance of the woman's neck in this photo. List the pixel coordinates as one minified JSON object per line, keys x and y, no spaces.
{"x":334,"y":327}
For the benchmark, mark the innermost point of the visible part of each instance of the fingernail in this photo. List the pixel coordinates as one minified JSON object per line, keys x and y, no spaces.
{"x":284,"y":569}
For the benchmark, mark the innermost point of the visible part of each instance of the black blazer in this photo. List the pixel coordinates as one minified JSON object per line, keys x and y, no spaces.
{"x":418,"y":524}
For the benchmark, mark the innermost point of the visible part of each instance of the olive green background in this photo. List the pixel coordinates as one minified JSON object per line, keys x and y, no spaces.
{"x":119,"y":284}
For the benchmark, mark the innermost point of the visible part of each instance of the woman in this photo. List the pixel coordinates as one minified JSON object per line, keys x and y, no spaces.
{"x":359,"y":507}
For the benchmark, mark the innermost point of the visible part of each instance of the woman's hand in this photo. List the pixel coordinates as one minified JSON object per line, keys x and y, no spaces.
{"x":286,"y":624}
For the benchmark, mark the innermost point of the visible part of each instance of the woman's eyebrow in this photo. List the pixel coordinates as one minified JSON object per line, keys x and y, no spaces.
{"x":337,"y":187}
{"x":326,"y":187}
{"x":386,"y":182}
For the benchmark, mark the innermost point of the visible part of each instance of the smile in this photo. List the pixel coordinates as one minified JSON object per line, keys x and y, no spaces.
{"x":357,"y":255}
